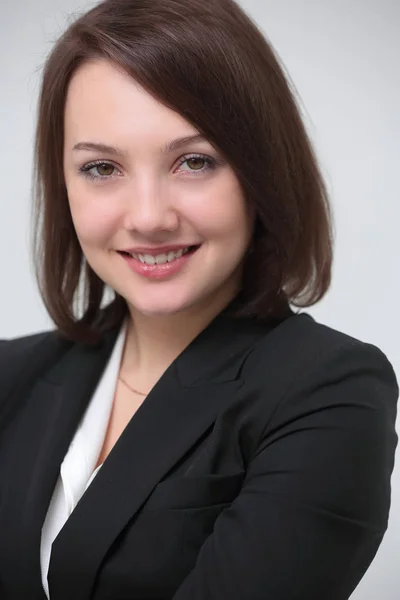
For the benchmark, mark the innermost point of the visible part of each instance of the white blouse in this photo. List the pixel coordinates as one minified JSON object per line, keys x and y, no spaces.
{"x":76,"y":472}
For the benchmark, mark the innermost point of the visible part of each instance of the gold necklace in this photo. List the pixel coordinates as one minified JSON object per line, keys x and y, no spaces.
{"x":131,"y":388}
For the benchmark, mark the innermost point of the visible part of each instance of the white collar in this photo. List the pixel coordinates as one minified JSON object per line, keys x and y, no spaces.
{"x":81,"y":458}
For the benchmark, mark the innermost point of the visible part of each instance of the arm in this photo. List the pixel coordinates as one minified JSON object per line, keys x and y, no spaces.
{"x":315,"y":502}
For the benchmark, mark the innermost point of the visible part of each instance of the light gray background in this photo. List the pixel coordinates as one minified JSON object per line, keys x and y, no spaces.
{"x":343,"y":57}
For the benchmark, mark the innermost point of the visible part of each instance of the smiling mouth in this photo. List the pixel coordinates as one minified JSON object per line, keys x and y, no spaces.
{"x":162,"y":258}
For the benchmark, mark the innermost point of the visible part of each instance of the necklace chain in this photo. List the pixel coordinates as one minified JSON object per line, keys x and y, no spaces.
{"x":131,"y":388}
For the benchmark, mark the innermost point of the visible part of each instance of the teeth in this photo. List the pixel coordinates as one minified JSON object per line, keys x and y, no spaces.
{"x":160,"y":259}
{"x":149,"y":259}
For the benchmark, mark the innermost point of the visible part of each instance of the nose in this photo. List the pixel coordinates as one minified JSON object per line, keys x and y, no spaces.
{"x":149,"y":208}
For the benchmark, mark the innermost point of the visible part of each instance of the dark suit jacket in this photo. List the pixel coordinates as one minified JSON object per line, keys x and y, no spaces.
{"x":258,"y":468}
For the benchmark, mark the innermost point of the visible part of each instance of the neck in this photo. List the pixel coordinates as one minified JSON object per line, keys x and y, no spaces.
{"x":153,"y":343}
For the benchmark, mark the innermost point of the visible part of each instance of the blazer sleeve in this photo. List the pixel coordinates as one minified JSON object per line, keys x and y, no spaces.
{"x":315,"y":502}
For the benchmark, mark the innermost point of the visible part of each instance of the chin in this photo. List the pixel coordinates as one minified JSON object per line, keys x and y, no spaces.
{"x":157,"y":312}
{"x":159,"y":309}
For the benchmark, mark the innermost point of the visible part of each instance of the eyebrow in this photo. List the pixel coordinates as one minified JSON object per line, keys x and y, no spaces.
{"x":166,"y":149}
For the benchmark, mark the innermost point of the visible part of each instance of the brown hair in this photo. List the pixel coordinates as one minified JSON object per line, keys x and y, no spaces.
{"x":209,"y":62}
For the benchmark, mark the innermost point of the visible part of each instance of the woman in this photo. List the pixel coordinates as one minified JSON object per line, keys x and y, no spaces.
{"x":194,"y":437}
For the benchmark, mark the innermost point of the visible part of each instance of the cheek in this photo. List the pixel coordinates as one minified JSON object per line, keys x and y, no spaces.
{"x":94,"y":223}
{"x":222,"y":215}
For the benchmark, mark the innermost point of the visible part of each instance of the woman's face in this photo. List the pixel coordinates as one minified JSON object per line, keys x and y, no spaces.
{"x":128,"y":193}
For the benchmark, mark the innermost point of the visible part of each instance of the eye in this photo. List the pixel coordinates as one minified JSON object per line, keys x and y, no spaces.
{"x":102,"y":170}
{"x":105,"y":170}
{"x":196,"y":161}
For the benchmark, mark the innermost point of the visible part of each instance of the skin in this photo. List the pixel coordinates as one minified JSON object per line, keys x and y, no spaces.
{"x":145,"y":198}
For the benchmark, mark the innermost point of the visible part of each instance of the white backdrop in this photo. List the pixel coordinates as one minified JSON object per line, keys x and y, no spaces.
{"x":343,"y":57}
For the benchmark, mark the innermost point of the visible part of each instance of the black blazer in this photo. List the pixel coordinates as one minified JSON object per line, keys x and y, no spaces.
{"x":258,"y":468}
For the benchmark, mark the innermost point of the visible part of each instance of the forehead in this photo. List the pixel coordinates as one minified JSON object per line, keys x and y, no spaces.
{"x":105,"y":102}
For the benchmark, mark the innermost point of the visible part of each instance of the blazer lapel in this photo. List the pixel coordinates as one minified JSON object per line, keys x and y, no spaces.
{"x":45,"y":428}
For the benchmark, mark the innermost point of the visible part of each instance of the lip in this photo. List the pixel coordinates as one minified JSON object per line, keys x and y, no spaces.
{"x":158,"y":271}
{"x":154,"y":251}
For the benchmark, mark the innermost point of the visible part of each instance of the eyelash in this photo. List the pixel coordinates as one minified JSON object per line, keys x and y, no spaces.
{"x":85,"y":170}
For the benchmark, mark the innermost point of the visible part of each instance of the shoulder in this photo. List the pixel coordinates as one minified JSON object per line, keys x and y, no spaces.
{"x":26,"y":341}
{"x":23,"y":358}
{"x":300,"y":345}
{"x":302,"y":367}
{"x":18,"y":348}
